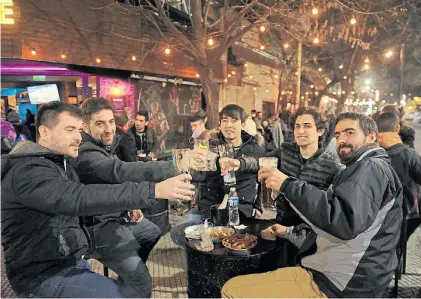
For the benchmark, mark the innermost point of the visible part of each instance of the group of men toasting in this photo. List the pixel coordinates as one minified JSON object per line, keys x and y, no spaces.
{"x":68,"y":197}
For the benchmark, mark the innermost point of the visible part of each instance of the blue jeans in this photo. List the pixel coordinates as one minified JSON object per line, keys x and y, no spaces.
{"x":193,"y":217}
{"x":80,"y":282}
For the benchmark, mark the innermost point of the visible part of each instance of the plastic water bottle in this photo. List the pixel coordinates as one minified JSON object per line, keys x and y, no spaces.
{"x":233,"y":203}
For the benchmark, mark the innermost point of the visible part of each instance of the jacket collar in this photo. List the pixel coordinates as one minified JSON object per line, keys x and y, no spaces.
{"x":108,"y":148}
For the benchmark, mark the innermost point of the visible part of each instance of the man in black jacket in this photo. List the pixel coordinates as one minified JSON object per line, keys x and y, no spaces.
{"x":98,"y":164}
{"x":407,"y":164}
{"x":406,"y":132}
{"x":41,"y":200}
{"x":126,"y":149}
{"x":146,"y":140}
{"x":356,"y":223}
{"x":231,"y":118}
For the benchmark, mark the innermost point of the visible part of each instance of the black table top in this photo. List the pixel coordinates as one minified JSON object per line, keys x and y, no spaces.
{"x":254,"y":227}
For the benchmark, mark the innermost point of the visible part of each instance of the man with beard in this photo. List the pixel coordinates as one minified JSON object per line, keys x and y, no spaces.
{"x":117,"y":237}
{"x":356,"y":224}
{"x":43,"y":240}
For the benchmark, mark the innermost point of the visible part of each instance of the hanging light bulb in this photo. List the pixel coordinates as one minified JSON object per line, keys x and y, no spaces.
{"x":320,"y":69}
{"x":229,"y":75}
{"x":315,"y":11}
{"x":345,"y":77}
{"x":233,"y":72}
{"x":367,"y":60}
{"x":98,"y":60}
{"x":286,"y":46}
{"x":262,"y":47}
{"x":353,"y":21}
{"x":262,"y":28}
{"x":211,"y":41}
{"x":167,"y":51}
{"x":276,"y":76}
{"x":311,"y":86}
{"x":134,"y":58}
{"x":225,"y":80}
{"x":33,"y":52}
{"x":254,"y":88}
{"x":63,"y":56}
{"x":251,"y":76}
{"x":246,"y":64}
{"x":197,"y":75}
{"x":366,"y":67}
{"x":316,"y":40}
{"x":267,"y":90}
{"x":341,"y":66}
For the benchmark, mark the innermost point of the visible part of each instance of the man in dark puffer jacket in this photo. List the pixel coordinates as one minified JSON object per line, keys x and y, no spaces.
{"x":41,"y":200}
{"x":232,"y":118}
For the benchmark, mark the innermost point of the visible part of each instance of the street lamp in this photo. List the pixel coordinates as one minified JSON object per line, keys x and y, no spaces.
{"x":389,"y":54}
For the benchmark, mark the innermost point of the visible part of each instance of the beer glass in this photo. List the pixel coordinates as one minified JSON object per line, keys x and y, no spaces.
{"x":264,"y":163}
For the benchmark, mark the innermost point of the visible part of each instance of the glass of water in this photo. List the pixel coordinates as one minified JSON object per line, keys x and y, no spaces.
{"x":227,"y":151}
{"x":265,"y":163}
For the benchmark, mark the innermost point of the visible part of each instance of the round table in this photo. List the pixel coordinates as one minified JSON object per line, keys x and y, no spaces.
{"x":207,"y":272}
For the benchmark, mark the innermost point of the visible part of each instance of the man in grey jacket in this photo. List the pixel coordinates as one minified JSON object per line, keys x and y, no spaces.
{"x":356,"y":224}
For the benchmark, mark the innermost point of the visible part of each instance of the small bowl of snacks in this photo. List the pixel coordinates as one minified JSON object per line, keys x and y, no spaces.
{"x":240,"y":244}
{"x":218,"y":233}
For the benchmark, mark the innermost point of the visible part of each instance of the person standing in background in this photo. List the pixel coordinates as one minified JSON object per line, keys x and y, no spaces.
{"x":126,"y":148}
{"x":146,"y":141}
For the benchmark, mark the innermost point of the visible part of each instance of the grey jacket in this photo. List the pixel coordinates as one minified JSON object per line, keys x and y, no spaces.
{"x":356,"y":225}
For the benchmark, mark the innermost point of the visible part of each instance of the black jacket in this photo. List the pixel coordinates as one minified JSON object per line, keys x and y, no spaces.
{"x":357,"y":224}
{"x":97,"y":165}
{"x":40,"y":204}
{"x":246,"y":185}
{"x":152,"y":144}
{"x":407,"y":164}
{"x":318,"y":170}
{"x":126,"y":149}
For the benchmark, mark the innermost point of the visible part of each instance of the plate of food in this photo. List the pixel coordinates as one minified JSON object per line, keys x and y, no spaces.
{"x":240,"y":244}
{"x":218,"y":233}
{"x":193,"y":232}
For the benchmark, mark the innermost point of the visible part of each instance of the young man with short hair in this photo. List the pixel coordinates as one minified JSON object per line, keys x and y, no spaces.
{"x":43,"y":241}
{"x":407,"y":164}
{"x":145,"y":137}
{"x":198,"y":126}
{"x":231,"y":121}
{"x":356,"y":224}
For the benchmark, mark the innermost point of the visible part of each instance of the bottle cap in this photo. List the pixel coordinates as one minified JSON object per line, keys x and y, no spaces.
{"x":232,"y":189}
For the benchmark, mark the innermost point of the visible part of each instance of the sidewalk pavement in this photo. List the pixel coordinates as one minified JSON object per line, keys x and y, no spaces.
{"x":167,"y":264}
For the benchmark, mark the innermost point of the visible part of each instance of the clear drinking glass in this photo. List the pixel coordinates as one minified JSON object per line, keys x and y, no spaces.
{"x":227,"y":151}
{"x":266,"y":162}
{"x":201,"y":145}
{"x":182,"y":166}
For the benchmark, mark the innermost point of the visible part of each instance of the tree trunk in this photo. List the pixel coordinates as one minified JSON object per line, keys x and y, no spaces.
{"x":211,"y":91}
